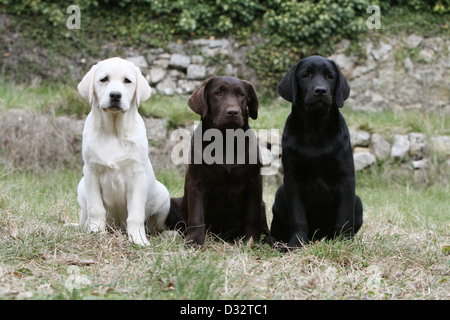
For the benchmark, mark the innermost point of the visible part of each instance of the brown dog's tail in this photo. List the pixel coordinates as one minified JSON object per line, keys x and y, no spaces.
{"x":175,"y":220}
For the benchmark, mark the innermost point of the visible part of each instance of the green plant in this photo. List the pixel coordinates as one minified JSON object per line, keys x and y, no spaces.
{"x":313,"y":22}
{"x":290,"y":30}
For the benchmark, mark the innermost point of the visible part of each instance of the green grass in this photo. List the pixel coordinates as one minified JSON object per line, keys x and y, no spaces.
{"x":401,"y":252}
{"x":390,"y":122}
{"x":398,"y":254}
{"x":272,"y":113}
{"x":175,"y":109}
{"x":53,"y":99}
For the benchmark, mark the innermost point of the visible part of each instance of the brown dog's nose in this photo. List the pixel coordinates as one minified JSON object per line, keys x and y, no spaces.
{"x":232,"y":112}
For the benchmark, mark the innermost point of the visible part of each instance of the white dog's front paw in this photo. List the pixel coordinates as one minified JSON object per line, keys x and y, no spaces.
{"x":138,"y":236}
{"x":139,"y":240}
{"x":97,"y":225}
{"x":96,"y":219}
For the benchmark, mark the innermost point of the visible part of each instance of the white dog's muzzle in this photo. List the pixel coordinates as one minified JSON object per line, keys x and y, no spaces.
{"x":114,"y":103}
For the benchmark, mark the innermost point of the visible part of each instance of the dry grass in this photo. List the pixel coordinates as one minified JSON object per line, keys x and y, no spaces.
{"x":39,"y":142}
{"x":400,"y":253}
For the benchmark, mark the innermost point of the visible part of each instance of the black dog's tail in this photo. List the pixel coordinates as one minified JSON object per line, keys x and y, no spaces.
{"x":175,"y":220}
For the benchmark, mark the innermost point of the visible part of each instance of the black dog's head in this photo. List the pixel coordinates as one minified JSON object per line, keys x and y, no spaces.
{"x":223,"y":101}
{"x":316,"y":83}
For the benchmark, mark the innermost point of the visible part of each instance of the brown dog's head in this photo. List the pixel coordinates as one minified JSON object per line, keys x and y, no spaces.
{"x":224,"y":100}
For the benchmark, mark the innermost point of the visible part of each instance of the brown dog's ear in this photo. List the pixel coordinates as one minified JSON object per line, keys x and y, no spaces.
{"x":342,"y":89}
{"x":197,"y":102}
{"x":287,"y":88}
{"x":252,"y":100}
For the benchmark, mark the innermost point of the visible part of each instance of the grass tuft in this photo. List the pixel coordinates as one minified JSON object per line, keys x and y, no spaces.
{"x":398,"y":254}
{"x":401,"y":251}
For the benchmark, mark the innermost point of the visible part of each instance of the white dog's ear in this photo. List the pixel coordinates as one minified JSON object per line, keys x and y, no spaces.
{"x":143,"y":90}
{"x":86,"y":86}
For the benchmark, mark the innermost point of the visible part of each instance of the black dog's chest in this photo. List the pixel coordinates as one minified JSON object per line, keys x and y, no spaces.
{"x":314,"y":170}
{"x":311,"y":158}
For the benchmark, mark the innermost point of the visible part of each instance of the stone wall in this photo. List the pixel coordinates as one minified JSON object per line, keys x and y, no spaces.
{"x":23,"y":145}
{"x":414,"y":148}
{"x":397,"y":73}
{"x":182,"y":67}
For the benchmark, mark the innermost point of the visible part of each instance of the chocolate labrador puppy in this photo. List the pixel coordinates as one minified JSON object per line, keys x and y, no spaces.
{"x":317,"y":199}
{"x":223,"y":184}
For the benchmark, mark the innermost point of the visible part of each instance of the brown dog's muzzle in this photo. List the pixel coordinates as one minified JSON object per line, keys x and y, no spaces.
{"x":231,"y":117}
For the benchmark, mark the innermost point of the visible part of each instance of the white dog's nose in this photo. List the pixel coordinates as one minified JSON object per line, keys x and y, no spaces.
{"x":115,"y":96}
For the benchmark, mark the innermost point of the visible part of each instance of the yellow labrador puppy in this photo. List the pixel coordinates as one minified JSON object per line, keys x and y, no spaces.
{"x":119,"y":188}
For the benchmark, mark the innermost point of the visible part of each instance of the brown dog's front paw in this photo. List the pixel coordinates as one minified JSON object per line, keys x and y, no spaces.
{"x":251,"y":238}
{"x":195,"y":240}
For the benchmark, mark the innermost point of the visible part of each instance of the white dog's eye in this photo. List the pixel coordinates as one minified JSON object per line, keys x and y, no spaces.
{"x":127,"y":80}
{"x":105,"y":79}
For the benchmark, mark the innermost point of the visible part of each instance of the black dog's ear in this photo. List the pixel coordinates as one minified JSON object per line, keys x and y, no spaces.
{"x":252,"y":100}
{"x":342,"y":89}
{"x":287,"y":88}
{"x":197,"y":102}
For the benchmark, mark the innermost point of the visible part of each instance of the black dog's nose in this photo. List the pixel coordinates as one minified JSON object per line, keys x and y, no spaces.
{"x":115,"y":96}
{"x":233,"y":112}
{"x":320,"y":91}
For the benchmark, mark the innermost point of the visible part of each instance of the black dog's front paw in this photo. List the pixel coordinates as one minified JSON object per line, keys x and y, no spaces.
{"x":293,"y":244}
{"x":283,"y":247}
{"x":297,"y":240}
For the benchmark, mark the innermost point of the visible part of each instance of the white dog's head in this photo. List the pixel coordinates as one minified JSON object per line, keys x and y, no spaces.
{"x":114,"y":85}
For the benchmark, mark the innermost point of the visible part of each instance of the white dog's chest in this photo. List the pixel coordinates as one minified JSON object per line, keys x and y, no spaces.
{"x":113,"y":186}
{"x":117,"y":166}
{"x":116,"y":182}
{"x":118,"y":170}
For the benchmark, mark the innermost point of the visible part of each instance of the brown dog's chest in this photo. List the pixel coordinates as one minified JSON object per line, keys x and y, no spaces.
{"x":227,"y":174}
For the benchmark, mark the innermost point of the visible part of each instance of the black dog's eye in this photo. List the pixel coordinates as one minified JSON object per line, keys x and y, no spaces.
{"x":219,"y":93}
{"x":306,"y":75}
{"x":330,"y":76}
{"x":105,"y":79}
{"x":242,"y":94}
{"x":127,"y":80}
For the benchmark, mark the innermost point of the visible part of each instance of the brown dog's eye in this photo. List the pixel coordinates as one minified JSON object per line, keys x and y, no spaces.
{"x":127,"y":80}
{"x":306,"y":75}
{"x":242,"y":94}
{"x":219,"y":93}
{"x":105,"y":79}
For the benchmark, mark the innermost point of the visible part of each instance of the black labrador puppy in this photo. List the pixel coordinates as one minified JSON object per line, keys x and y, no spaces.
{"x":317,"y":199}
{"x":223,"y":184}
